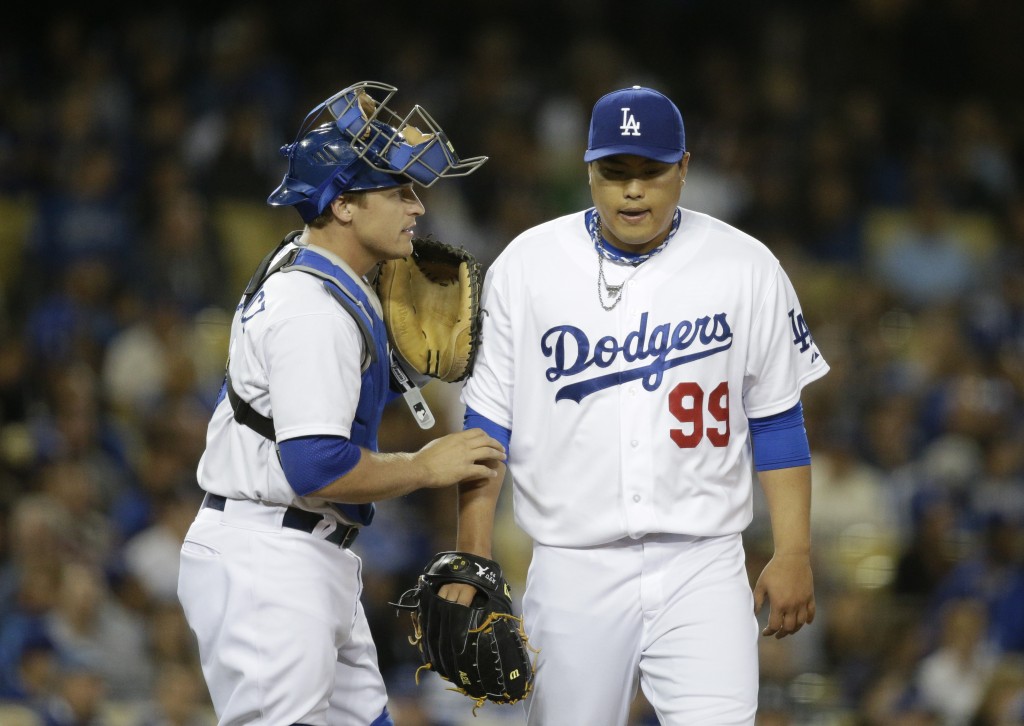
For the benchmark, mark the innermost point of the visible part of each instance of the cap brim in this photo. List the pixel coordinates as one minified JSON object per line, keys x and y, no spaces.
{"x":666,"y":156}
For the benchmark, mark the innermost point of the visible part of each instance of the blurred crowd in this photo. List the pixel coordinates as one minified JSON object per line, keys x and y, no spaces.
{"x":876,"y":146}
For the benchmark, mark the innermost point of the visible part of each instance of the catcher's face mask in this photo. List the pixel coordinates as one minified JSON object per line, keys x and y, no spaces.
{"x":365,"y":146}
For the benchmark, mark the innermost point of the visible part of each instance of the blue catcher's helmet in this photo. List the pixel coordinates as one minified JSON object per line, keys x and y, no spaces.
{"x":366,"y":146}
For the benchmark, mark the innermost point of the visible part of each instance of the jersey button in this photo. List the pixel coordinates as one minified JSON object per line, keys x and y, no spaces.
{"x":636,"y":497}
{"x":634,"y":443}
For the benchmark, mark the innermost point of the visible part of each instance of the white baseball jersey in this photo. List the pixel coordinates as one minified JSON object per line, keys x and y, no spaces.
{"x":271,"y":366}
{"x":634,"y":420}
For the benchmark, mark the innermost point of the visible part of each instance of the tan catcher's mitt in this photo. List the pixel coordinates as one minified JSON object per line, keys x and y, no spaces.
{"x":431,"y":303}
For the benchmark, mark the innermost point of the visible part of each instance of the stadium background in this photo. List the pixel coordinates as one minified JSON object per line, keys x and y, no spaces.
{"x":875,"y":145}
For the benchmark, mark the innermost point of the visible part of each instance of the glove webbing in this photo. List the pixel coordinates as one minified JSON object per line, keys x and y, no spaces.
{"x":489,"y":622}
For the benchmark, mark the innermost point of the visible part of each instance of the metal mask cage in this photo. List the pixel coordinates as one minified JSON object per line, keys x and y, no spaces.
{"x":413,"y":144}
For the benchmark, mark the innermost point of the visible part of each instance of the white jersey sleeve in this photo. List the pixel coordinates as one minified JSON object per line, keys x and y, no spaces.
{"x":312,"y":360}
{"x":493,"y":381}
{"x":783,"y":357}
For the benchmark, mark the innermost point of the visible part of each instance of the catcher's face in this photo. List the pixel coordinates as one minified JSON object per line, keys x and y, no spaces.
{"x":385,"y":220}
{"x":636,"y":198}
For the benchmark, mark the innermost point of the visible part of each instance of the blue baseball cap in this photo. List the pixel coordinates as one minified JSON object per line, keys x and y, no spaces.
{"x":637,"y":121}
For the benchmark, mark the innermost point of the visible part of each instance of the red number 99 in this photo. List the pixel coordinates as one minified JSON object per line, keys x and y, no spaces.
{"x":686,"y":404}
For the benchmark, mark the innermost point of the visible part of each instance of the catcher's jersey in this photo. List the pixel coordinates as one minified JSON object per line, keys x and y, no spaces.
{"x":295,"y":354}
{"x":634,"y":420}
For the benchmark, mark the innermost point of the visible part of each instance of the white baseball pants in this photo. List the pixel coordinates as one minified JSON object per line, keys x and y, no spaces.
{"x":674,"y":612}
{"x":282,"y":635}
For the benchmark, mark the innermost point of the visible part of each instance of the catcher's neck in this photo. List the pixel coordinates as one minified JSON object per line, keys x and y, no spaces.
{"x":336,"y":242}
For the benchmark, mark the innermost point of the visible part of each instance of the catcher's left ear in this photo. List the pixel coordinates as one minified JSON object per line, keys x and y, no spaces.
{"x":340,"y":207}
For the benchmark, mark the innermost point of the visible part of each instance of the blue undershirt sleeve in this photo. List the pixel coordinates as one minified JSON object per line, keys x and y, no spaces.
{"x":780,"y":441}
{"x":474,"y":420}
{"x":312,"y":462}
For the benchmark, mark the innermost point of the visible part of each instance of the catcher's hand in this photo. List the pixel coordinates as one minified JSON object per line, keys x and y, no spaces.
{"x":481,"y":648}
{"x":431,"y":302}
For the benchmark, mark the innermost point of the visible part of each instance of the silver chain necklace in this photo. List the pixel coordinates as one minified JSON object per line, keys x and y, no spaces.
{"x":615,"y":291}
{"x":608,"y":290}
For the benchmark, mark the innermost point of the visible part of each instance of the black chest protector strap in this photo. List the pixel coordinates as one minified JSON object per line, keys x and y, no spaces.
{"x":245,"y":415}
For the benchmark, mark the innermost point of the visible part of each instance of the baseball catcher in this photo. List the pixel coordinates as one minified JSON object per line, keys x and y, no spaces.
{"x":292,"y":469}
{"x":431,"y":302}
{"x":481,"y":648}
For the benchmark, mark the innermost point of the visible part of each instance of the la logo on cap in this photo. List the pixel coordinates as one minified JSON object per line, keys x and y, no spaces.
{"x":630,"y":126}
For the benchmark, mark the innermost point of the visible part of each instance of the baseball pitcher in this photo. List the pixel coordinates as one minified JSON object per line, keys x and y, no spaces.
{"x":641,"y":361}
